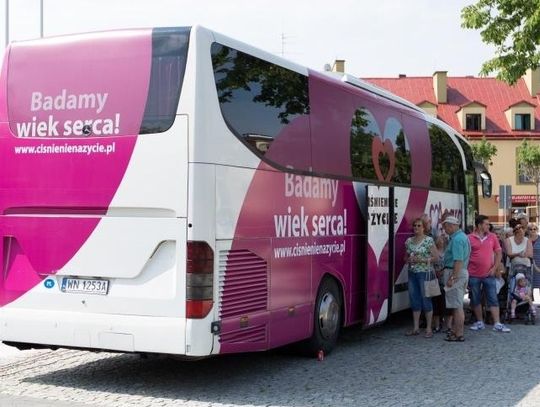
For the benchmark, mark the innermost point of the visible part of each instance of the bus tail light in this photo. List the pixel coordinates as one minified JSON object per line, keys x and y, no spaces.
{"x":199,"y":279}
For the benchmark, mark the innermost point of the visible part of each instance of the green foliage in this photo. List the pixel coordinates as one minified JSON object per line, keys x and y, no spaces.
{"x":362,"y":133}
{"x":483,"y":152}
{"x":270,"y":84}
{"x":513,"y":27}
{"x":403,"y":169}
{"x":528,"y":157}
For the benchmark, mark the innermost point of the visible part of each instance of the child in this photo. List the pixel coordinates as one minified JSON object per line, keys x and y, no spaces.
{"x":522,"y":292}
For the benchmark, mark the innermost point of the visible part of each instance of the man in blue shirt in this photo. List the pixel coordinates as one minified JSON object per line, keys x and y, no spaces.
{"x":456,"y":276}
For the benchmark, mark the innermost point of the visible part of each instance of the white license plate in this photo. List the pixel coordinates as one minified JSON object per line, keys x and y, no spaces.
{"x":85,"y":285}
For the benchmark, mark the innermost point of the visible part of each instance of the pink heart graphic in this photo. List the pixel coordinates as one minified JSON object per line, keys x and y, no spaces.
{"x":380,"y":149}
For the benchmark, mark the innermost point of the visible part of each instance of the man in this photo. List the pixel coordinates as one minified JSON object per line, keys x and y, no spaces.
{"x":456,"y":261}
{"x":486,"y":254}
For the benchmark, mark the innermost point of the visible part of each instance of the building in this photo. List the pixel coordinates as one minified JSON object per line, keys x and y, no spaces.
{"x":483,"y":107}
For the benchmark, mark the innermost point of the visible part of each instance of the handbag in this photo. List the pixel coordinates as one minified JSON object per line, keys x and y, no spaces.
{"x":431,"y":285}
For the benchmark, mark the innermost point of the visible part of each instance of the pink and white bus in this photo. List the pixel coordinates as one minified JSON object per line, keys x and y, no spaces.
{"x":175,"y":191}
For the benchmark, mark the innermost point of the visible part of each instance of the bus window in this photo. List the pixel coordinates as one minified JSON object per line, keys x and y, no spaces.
{"x":260,"y":101}
{"x":471,"y":194}
{"x":446,"y":165}
{"x":393,"y":161}
{"x":169,"y":52}
{"x":394,"y":131}
{"x":364,"y":129}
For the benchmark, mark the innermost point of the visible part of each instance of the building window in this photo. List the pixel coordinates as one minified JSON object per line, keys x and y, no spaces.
{"x":473,"y":122}
{"x":522,"y":178}
{"x":522,"y":121}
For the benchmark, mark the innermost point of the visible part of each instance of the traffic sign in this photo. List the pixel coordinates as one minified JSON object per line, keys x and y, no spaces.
{"x":505,"y":196}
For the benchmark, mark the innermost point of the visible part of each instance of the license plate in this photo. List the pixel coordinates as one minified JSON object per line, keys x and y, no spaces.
{"x":85,"y":285}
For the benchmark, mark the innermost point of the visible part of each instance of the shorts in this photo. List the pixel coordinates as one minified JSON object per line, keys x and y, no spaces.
{"x":489,"y":285}
{"x":454,"y":295}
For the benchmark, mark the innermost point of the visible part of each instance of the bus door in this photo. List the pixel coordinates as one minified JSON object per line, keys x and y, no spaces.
{"x":380,"y":250}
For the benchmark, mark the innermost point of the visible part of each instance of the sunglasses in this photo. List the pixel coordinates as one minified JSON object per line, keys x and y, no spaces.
{"x":533,"y":228}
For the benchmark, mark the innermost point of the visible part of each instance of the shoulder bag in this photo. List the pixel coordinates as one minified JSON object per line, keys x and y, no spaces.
{"x":431,"y":284}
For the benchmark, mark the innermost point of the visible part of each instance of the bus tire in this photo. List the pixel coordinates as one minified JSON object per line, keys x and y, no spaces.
{"x":326,"y":318}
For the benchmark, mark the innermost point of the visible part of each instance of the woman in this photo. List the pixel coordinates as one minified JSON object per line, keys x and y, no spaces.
{"x":420,"y":255}
{"x":518,"y":250}
{"x":535,"y":242}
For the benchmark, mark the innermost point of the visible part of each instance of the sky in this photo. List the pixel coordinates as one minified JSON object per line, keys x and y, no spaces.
{"x":381,"y":38}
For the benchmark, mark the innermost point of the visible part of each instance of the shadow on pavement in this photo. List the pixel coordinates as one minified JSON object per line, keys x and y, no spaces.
{"x":378,"y":367}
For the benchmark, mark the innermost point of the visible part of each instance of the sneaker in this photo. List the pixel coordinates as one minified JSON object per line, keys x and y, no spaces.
{"x":500,"y":328}
{"x":477,"y":326}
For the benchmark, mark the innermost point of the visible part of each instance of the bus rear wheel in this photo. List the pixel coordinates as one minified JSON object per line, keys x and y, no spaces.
{"x":326,"y":319}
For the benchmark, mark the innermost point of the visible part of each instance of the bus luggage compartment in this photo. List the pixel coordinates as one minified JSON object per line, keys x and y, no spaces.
{"x":94,"y":292}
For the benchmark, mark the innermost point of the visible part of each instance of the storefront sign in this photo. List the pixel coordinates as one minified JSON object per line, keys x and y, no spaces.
{"x":520,"y":199}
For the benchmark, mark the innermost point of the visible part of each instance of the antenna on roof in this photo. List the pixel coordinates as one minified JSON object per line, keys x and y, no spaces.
{"x":41,"y":18}
{"x":7,"y":22}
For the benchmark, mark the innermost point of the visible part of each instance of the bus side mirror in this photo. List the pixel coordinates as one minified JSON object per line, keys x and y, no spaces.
{"x":486,"y":184}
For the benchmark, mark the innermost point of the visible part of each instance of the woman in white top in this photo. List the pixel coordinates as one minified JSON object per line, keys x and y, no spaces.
{"x":519,"y":248}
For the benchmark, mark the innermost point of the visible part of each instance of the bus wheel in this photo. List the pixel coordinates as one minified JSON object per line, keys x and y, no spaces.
{"x":327,"y":318}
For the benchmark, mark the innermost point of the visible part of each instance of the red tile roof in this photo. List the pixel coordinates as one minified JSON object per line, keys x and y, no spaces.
{"x":496,"y":95}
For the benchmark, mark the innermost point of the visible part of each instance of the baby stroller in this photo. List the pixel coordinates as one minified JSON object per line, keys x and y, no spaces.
{"x":523,"y":310}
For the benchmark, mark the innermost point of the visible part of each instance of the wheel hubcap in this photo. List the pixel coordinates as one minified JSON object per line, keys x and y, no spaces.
{"x":328,"y":315}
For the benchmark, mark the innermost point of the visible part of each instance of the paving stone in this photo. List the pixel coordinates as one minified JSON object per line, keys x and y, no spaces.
{"x":378,"y":367}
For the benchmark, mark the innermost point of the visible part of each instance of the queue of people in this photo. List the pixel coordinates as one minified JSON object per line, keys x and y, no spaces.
{"x":473,"y":262}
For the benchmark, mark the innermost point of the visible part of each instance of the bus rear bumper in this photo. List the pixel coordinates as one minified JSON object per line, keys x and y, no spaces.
{"x":125,"y":333}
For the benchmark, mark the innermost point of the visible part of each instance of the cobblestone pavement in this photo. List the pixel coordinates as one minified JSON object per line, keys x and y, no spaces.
{"x":378,"y":367}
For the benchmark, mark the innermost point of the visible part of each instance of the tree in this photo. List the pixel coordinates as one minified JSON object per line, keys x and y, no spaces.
{"x":528,"y":158}
{"x":265,"y":83}
{"x":483,"y":152}
{"x":513,"y":27}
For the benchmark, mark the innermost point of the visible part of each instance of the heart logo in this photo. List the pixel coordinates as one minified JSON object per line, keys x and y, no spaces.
{"x":382,"y":154}
{"x":435,"y":213}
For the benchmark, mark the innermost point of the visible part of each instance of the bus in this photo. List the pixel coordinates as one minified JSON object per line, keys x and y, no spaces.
{"x":175,"y":191}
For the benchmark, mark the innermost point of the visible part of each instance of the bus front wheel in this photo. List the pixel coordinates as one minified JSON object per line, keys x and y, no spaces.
{"x":327,"y":318}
